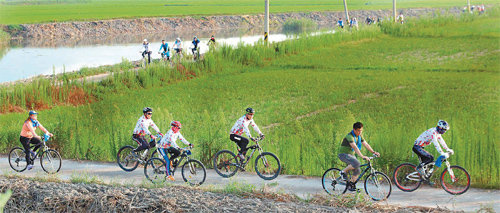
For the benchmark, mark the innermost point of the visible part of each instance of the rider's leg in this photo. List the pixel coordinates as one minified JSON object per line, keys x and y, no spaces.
{"x":241,"y":141}
{"x":37,"y":142}
{"x":26,"y":145}
{"x":175,"y":153}
{"x":425,"y":156}
{"x":163,"y":152}
{"x":141,"y":141}
{"x":352,"y":163}
{"x":149,"y":57}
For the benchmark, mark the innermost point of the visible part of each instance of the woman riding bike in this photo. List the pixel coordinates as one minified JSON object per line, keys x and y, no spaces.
{"x":168,"y":145}
{"x":28,"y":136}
{"x":178,"y":47}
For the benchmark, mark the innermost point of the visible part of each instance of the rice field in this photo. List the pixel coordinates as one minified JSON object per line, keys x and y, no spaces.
{"x":397,"y":80}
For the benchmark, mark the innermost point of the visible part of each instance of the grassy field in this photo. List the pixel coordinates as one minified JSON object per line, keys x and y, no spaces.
{"x":41,"y":11}
{"x":397,"y":79}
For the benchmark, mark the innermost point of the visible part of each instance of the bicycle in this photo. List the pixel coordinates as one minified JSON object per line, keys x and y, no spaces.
{"x":129,"y":160}
{"x":50,"y":159}
{"x":196,"y":53}
{"x":145,"y":61}
{"x":377,"y":185}
{"x":408,"y":179}
{"x":193,"y":171}
{"x":177,"y":54}
{"x":226,"y":163}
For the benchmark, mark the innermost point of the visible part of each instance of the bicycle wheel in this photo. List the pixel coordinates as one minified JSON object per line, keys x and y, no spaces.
{"x":406,"y":177}
{"x":267,"y":166}
{"x":17,"y":159}
{"x":127,"y":158}
{"x":155,"y":170}
{"x":456,"y":181}
{"x":51,"y":161}
{"x":378,"y":186}
{"x":332,"y":182}
{"x":225,"y":163}
{"x":194,"y":172}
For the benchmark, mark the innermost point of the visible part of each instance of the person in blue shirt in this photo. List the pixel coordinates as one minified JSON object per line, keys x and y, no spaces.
{"x":340,"y":23}
{"x":166,"y":50}
{"x":195,"y":43}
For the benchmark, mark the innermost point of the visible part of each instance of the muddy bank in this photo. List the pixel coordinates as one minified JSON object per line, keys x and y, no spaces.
{"x":105,"y":29}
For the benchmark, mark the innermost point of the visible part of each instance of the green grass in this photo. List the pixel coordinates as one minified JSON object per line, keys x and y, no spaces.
{"x":397,"y":84}
{"x":42,"y":11}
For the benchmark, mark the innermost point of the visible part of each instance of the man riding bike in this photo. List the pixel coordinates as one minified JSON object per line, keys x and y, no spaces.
{"x":352,"y":144}
{"x":195,"y":43}
{"x":142,"y":129}
{"x":168,"y":145}
{"x":166,"y":50}
{"x":28,"y":136}
{"x":241,"y":126}
{"x":431,"y":135}
{"x":178,"y":46}
{"x":145,"y":50}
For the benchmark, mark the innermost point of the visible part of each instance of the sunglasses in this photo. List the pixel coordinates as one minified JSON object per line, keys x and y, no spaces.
{"x":149,"y":113}
{"x":250,"y":114}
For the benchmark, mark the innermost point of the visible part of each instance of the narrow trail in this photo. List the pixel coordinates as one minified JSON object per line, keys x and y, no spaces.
{"x":333,"y":107}
{"x":301,"y":186}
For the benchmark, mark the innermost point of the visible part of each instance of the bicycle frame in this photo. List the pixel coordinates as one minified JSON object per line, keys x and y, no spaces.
{"x":253,"y":147}
{"x":415,"y":176}
{"x":368,"y":167}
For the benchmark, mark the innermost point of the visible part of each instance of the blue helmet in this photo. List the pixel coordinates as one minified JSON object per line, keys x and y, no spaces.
{"x":33,"y":112}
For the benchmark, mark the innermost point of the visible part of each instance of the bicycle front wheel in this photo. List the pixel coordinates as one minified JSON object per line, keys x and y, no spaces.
{"x":406,"y":177}
{"x":51,"y":161}
{"x":332,"y":182}
{"x":194,"y":172}
{"x":455,"y":180}
{"x":267,"y":166}
{"x":17,"y":159}
{"x":127,"y":158}
{"x":155,"y":170}
{"x":225,"y":163}
{"x":378,"y":186}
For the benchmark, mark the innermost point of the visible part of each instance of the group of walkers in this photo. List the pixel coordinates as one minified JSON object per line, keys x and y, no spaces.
{"x":177,"y":47}
{"x":350,"y":146}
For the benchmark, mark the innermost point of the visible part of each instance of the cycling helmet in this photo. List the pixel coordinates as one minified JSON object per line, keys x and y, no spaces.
{"x":250,"y":110}
{"x":146,"y":110}
{"x":176,"y":124}
{"x":33,"y":112}
{"x":145,"y":40}
{"x":178,"y":39}
{"x":442,"y":126}
{"x":195,"y":37}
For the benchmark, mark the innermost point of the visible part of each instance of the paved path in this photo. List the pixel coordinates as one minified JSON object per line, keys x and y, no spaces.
{"x":302,"y":186}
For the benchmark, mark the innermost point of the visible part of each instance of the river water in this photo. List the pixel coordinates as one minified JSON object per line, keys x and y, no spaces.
{"x":37,"y":57}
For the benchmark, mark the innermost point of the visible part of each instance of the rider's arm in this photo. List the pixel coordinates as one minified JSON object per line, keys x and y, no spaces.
{"x":441,"y":141}
{"x":356,"y":150}
{"x":365,"y":144}
{"x":181,"y":138}
{"x":255,"y":127}
{"x":154,"y":127}
{"x":43,"y":129}
{"x":144,"y":127}
{"x":31,"y":129}
{"x":436,"y":144}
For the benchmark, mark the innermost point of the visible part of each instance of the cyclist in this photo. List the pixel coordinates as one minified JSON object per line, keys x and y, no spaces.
{"x":211,"y":41}
{"x":168,"y":145}
{"x":195,"y":43}
{"x":432,"y":135}
{"x":340,"y":23}
{"x":142,"y":129}
{"x":145,"y":50}
{"x":178,"y":46}
{"x":352,"y":144}
{"x":401,"y":18}
{"x":166,"y":50}
{"x":28,"y":136}
{"x":241,"y":126}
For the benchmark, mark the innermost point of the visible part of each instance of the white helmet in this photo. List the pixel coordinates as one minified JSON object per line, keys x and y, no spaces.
{"x":145,"y":40}
{"x":178,"y":39}
{"x":443,"y":125}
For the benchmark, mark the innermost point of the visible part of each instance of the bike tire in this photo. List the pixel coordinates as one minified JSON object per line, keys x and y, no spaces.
{"x":17,"y":159}
{"x":228,"y":161}
{"x":377,"y":179}
{"x":268,"y":158}
{"x":332,"y":182}
{"x":188,"y":172}
{"x":51,"y":161}
{"x":129,"y":162}
{"x":155,"y":170}
{"x":402,"y":175}
{"x":461,"y":175}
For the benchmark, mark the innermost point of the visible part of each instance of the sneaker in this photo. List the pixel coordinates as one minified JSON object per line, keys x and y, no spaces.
{"x":352,"y":187}
{"x":430,"y":182}
{"x":174,"y":163}
{"x":343,"y":175}
{"x":170,"y":177}
{"x":30,"y":167}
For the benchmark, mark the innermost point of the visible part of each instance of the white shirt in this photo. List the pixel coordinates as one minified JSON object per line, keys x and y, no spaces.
{"x":432,"y":135}
{"x":142,"y":126}
{"x":169,"y":139}
{"x":241,"y":126}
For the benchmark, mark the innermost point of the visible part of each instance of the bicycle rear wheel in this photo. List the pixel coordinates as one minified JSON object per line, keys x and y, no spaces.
{"x":455,"y":182}
{"x":225,"y":163}
{"x":51,"y":161}
{"x":17,"y":159}
{"x":406,"y":177}
{"x":332,"y":182}
{"x":267,"y":166}
{"x":127,"y":158}
{"x":194,"y":172}
{"x":155,"y":170}
{"x":378,"y":186}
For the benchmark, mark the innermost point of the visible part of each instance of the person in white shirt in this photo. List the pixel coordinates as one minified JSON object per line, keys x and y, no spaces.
{"x":142,"y":129}
{"x":241,"y":126}
{"x":168,"y":145}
